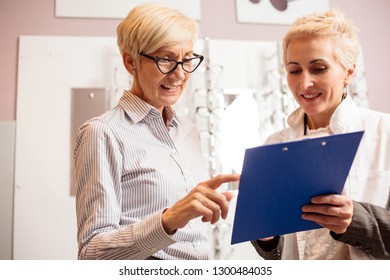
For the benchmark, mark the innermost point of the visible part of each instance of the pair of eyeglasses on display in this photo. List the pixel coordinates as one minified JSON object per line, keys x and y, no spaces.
{"x":280,"y":5}
{"x":166,"y":65}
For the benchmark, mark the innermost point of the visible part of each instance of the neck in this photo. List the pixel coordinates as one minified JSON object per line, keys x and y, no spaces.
{"x":314,"y":123}
{"x":310,"y":123}
{"x":167,"y":115}
{"x":320,"y":120}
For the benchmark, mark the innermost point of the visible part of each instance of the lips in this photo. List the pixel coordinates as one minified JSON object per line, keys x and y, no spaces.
{"x":169,"y":86}
{"x":311,"y":95}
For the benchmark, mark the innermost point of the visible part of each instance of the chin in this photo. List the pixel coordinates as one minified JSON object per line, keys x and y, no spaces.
{"x":171,"y":101}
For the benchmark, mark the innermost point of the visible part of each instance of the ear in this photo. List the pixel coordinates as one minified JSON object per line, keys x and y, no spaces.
{"x":129,"y":63}
{"x":350,"y":73}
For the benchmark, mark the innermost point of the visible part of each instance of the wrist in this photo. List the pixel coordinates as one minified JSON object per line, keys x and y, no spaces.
{"x":165,"y":223}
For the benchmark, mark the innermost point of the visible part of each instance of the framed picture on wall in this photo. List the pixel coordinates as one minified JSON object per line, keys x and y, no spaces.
{"x":117,"y":9}
{"x":276,"y":11}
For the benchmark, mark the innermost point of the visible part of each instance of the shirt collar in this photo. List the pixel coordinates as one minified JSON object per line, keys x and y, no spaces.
{"x":342,"y":116}
{"x":137,"y":109}
{"x":339,"y":121}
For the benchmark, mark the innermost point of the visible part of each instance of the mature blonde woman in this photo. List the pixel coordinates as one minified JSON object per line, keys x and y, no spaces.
{"x":137,"y":164}
{"x":320,"y":52}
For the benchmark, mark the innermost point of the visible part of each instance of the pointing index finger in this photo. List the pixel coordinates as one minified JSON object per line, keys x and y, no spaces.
{"x":218,"y":180}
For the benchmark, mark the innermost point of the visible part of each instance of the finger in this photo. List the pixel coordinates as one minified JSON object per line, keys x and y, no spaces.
{"x":267,"y":238}
{"x":333,"y":199}
{"x":211,"y":211}
{"x":326,"y":220}
{"x":335,"y":224}
{"x":218,"y":202}
{"x":327,"y":210}
{"x":229,"y":195}
{"x":207,"y":215}
{"x":208,"y":202}
{"x":218,"y":180}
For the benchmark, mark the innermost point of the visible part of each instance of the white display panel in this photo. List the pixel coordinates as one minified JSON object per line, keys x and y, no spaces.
{"x":49,"y":67}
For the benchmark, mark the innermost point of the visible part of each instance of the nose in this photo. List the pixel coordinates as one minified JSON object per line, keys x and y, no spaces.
{"x":306,"y":81}
{"x":179,"y":73}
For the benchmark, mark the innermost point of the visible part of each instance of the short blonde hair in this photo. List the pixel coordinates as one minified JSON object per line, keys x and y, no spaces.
{"x":329,"y":25}
{"x":149,"y":26}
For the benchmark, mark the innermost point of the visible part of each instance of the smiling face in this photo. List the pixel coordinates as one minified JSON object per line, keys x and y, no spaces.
{"x":316,"y":78}
{"x":150,"y":84}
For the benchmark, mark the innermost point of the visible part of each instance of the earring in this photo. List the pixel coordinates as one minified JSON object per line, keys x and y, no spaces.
{"x":133,"y":68}
{"x":345,"y":91}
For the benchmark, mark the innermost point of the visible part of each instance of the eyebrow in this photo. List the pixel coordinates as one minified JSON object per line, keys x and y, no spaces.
{"x":169,"y":52}
{"x":311,"y":62}
{"x":317,"y":60}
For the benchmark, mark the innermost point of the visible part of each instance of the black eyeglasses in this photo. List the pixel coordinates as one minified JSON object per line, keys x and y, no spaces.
{"x":166,"y":65}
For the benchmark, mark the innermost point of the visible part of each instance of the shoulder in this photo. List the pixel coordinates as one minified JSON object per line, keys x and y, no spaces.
{"x":284,"y":135}
{"x":374,"y":119}
{"x":100,"y":129}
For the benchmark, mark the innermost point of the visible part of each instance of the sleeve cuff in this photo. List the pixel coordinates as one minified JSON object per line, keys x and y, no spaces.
{"x":151,"y":236}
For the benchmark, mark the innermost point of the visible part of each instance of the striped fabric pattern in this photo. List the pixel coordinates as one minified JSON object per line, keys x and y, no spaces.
{"x":130,"y":166}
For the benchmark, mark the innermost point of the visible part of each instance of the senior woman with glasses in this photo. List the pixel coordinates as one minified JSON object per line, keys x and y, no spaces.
{"x":141,"y":181}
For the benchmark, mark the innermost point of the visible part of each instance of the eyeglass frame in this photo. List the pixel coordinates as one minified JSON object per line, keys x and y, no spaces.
{"x":156,"y":59}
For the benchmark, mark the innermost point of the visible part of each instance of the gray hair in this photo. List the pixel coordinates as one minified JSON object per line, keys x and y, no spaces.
{"x":148,"y":27}
{"x":331,"y":24}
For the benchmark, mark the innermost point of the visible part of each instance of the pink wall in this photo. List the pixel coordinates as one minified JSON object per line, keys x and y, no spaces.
{"x":36,"y":17}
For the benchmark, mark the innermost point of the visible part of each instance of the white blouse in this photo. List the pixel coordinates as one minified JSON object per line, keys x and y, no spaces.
{"x":368,"y":180}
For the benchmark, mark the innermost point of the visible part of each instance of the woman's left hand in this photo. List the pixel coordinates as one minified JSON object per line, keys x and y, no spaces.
{"x":333,"y":212}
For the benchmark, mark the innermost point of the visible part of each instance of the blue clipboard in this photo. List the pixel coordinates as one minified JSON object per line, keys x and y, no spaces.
{"x":278,"y":179}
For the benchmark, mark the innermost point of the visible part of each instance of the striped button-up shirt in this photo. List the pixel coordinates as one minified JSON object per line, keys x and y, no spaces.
{"x":130,"y":166}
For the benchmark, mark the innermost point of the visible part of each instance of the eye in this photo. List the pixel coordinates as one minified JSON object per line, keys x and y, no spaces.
{"x":319,"y":70}
{"x":294,"y":71}
{"x":187,"y":61}
{"x":163,"y":60}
